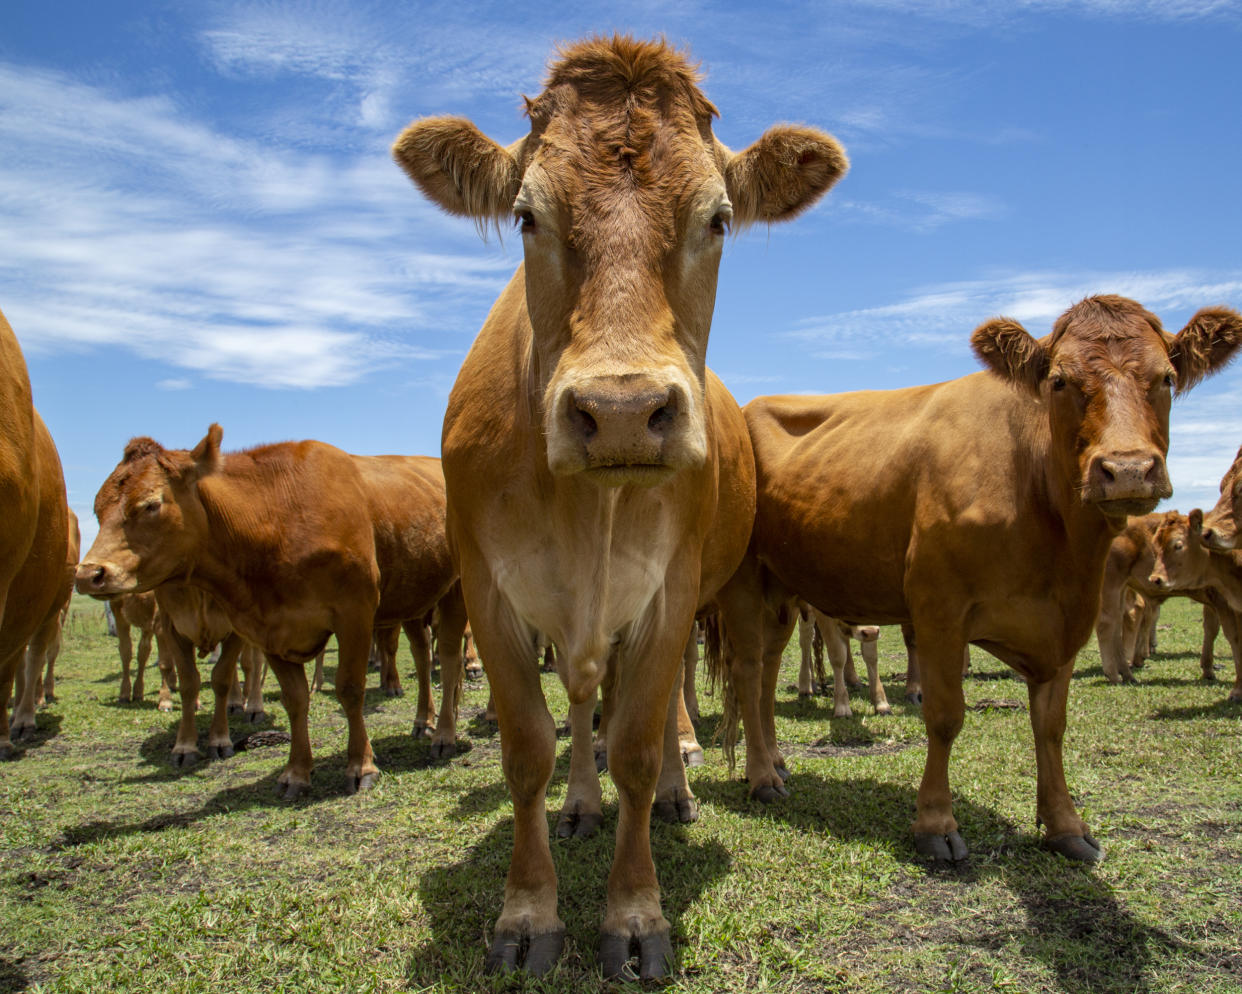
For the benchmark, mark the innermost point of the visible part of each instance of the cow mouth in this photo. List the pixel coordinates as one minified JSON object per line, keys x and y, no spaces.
{"x":634,"y":474}
{"x":1123,"y":507}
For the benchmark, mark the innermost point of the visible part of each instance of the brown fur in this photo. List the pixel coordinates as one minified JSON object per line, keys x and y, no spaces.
{"x":1220,"y":525}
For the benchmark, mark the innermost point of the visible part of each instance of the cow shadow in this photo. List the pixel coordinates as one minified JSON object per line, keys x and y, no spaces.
{"x":1075,"y":921}
{"x":463,"y":899}
{"x":492,"y":796}
{"x":47,"y":727}
{"x":1222,"y":708}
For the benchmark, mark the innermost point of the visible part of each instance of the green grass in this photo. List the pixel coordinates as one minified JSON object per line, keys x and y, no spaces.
{"x":119,"y":872}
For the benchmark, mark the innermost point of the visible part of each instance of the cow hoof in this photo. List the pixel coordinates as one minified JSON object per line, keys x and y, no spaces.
{"x":783,"y":773}
{"x":354,"y":783}
{"x":883,"y":709}
{"x":164,"y":706}
{"x":474,"y":672}
{"x":941,"y":848}
{"x":655,"y":956}
{"x":915,"y":698}
{"x":290,"y":791}
{"x":572,"y":824}
{"x":844,"y":712}
{"x":236,"y":708}
{"x":421,"y":731}
{"x":601,"y":760}
{"x":23,"y":733}
{"x":769,"y":792}
{"x":693,"y":757}
{"x":541,"y":953}
{"x":184,"y":760}
{"x":220,"y":751}
{"x":390,"y":692}
{"x":443,"y":750}
{"x":805,"y":695}
{"x":6,"y":752}
{"x":682,"y":810}
{"x":1081,"y":848}
{"x":254,"y":717}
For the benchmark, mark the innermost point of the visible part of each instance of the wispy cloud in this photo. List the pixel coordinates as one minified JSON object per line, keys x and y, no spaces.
{"x":918,"y":210}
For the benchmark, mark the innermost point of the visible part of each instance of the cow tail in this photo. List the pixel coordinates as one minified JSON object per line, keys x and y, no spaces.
{"x":718,"y":673}
{"x":817,"y":654}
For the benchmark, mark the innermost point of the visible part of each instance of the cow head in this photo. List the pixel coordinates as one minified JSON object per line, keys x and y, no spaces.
{"x":151,"y":518}
{"x":1181,"y":559}
{"x":1220,"y":525}
{"x":623,"y":198}
{"x":1106,"y":376}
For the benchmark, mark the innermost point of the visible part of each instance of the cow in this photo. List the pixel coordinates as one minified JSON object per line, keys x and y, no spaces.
{"x":32,"y":687}
{"x":280,"y":536}
{"x":1127,"y":569}
{"x":130,"y":611}
{"x":1183,"y":561}
{"x":836,"y":637}
{"x":979,"y":510}
{"x":598,"y":474}
{"x":1220,"y":525}
{"x":34,"y":525}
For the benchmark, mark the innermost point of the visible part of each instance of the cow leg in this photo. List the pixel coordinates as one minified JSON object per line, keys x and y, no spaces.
{"x":317,"y":680}
{"x":528,"y":756}
{"x":837,"y":647}
{"x":30,"y":669}
{"x":420,"y":649}
{"x":125,"y":646}
{"x":168,"y":676}
{"x":1146,"y":634}
{"x":237,"y":693}
{"x":1230,"y":622}
{"x":181,"y":651}
{"x":449,"y":634}
{"x":47,"y":693}
{"x":1110,"y":634}
{"x":144,"y":653}
{"x":944,"y":707}
{"x":674,"y":800}
{"x":474,"y":668}
{"x":869,"y":648}
{"x":489,"y":709}
{"x":636,"y":736}
{"x":253,"y":665}
{"x":294,"y":779}
{"x":223,"y":682}
{"x":806,"y":639}
{"x":690,"y":663}
{"x":688,"y":748}
{"x":779,"y":626}
{"x":914,"y":684}
{"x":8,"y":671}
{"x":1066,"y":832}
{"x":353,"y":645}
{"x":583,"y":811}
{"x":605,"y":710}
{"x":385,"y":643}
{"x":1207,"y":655}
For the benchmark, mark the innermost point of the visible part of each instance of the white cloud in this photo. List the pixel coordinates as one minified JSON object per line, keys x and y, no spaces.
{"x":918,"y":210}
{"x":173,"y":384}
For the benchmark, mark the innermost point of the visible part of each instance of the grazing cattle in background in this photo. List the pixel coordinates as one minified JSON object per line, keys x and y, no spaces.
{"x":406,"y":501}
{"x":130,"y":611}
{"x":1184,"y":562}
{"x":280,"y":536}
{"x":32,"y":688}
{"x":836,"y":637}
{"x":1124,"y":643}
{"x":598,"y":475}
{"x":980,"y":510}
{"x":1220,"y":525}
{"x":34,"y":523}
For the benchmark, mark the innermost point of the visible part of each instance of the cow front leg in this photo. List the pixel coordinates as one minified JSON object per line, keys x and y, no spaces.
{"x":1066,"y":832}
{"x":583,"y":812}
{"x":29,"y":677}
{"x":8,"y":671}
{"x":294,"y":779}
{"x":837,"y":647}
{"x":140,"y":662}
{"x":125,"y":646}
{"x":181,"y":651}
{"x":354,"y":643}
{"x":1231,"y":624}
{"x":944,"y":707}
{"x":253,"y":667}
{"x":420,"y":649}
{"x":869,"y":636}
{"x":223,"y":683}
{"x":914,"y":682}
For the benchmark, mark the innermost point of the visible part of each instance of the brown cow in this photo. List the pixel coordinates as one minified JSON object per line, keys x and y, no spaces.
{"x":598,"y":475}
{"x":281,"y":538}
{"x":980,"y":510}
{"x":32,"y":688}
{"x":130,"y":611}
{"x":1184,"y":562}
{"x":1220,"y":525}
{"x":1128,"y":567}
{"x":34,"y":524}
{"x":836,"y":637}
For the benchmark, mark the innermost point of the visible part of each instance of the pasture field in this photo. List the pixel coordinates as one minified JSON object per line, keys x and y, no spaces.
{"x":120,"y":873}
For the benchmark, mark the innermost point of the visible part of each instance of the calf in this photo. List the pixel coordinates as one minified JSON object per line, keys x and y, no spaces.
{"x":836,"y":637}
{"x":1184,"y":561}
{"x":34,"y":525}
{"x":280,"y":537}
{"x":980,"y":510}
{"x":599,"y":477}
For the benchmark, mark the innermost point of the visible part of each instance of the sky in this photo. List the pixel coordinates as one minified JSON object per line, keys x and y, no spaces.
{"x":200,"y":219}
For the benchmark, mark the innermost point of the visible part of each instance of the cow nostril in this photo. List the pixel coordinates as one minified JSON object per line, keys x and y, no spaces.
{"x":581,"y":419}
{"x":1107,"y":471}
{"x":98,"y":577}
{"x":661,"y":419}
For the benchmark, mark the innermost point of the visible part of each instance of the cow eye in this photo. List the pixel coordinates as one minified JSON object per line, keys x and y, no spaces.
{"x":721,"y":219}
{"x":1177,"y":546}
{"x":1058,"y":381}
{"x":1168,"y":380}
{"x":525,"y":219}
{"x":151,"y":507}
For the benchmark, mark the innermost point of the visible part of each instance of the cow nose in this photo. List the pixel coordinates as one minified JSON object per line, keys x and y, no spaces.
{"x":90,"y":577}
{"x":1156,"y":581}
{"x":616,"y":416}
{"x":1123,"y":475}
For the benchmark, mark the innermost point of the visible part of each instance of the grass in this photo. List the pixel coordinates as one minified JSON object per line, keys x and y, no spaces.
{"x":119,"y":872}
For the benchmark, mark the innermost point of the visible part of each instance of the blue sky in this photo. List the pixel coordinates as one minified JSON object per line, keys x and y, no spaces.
{"x":201,"y":222}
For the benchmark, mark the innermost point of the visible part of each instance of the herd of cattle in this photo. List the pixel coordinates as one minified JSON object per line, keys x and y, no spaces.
{"x":601,"y":490}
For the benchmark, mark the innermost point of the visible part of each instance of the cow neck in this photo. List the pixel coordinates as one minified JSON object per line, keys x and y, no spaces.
{"x":1224,"y":572}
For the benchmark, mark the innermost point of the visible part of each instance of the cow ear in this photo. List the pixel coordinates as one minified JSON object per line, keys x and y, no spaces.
{"x":206,"y":454}
{"x":1194,"y":522}
{"x":460,"y":168}
{"x":1009,"y":351}
{"x":1205,"y":345}
{"x":782,"y":174}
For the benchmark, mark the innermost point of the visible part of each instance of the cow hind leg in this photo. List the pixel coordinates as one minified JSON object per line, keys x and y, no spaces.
{"x":179,"y":648}
{"x":140,"y":662}
{"x":8,"y":671}
{"x":450,"y":633}
{"x":1231,"y":624}
{"x":871,"y":656}
{"x":944,"y":707}
{"x":351,"y":685}
{"x":223,"y":682}
{"x":420,"y":649}
{"x":1207,"y":654}
{"x":294,"y":779}
{"x":674,"y":800}
{"x":690,"y":664}
{"x":125,"y":646}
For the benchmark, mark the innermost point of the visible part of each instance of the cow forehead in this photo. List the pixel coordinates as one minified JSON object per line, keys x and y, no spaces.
{"x":133,"y":481}
{"x":1129,"y":346}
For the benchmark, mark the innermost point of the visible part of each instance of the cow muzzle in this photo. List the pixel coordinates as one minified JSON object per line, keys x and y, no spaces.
{"x":1219,"y":535}
{"x":102,"y":580}
{"x":1122,"y":484}
{"x":623,"y":429}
